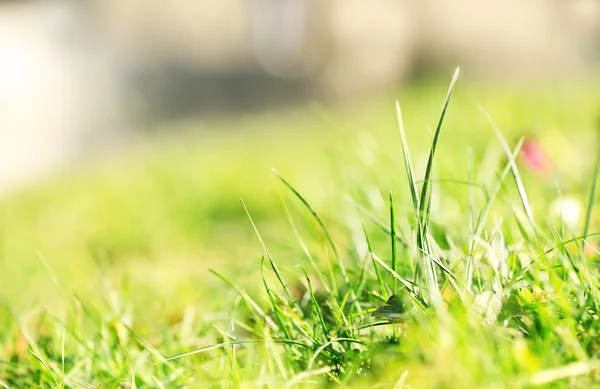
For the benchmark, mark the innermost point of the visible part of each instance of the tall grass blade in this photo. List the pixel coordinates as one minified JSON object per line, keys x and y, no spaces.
{"x":412,"y":289}
{"x":316,"y":307}
{"x":592,"y":200}
{"x":331,"y":290}
{"x":274,"y":306}
{"x":468,"y":277}
{"x":321,"y":224}
{"x":407,"y":160}
{"x":393,"y":239}
{"x":513,"y":166}
{"x":249,"y":301}
{"x":425,"y":198}
{"x":291,"y":300}
{"x":384,"y":290}
{"x":494,"y":193}
{"x":311,"y":259}
{"x":381,"y":225}
{"x":328,"y":238}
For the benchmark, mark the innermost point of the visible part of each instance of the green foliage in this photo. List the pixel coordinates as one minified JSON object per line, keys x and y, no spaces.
{"x":468,"y":282}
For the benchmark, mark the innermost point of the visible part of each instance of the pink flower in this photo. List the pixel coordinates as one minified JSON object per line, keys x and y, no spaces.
{"x":533,"y":155}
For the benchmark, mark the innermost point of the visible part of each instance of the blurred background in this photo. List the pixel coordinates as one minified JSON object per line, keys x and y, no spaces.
{"x":84,"y":76}
{"x":130,"y":129}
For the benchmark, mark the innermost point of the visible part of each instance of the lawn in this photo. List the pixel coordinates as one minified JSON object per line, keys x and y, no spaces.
{"x":144,"y":270}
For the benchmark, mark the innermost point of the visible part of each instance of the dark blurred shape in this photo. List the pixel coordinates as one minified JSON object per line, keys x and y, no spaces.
{"x":341,"y":49}
{"x":173,"y":92}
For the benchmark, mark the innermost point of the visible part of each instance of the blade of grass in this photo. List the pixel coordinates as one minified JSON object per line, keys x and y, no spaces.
{"x":563,"y":244}
{"x":331,"y":292}
{"x":44,"y":365}
{"x":274,"y":306}
{"x":303,"y":377}
{"x":304,"y":247}
{"x":545,"y":377}
{"x":592,"y":199}
{"x":407,"y":160}
{"x":451,"y":276}
{"x":410,"y":174}
{"x":315,"y":306}
{"x":378,"y":223}
{"x":493,"y":194}
{"x":252,"y":305}
{"x":394,"y":253}
{"x":159,"y":384}
{"x":469,"y":265}
{"x":410,"y":286}
{"x":62,"y":358}
{"x":513,"y":166}
{"x":147,"y":346}
{"x":291,"y":316}
{"x":461,"y":182}
{"x":291,"y":301}
{"x":271,"y":351}
{"x":318,"y":351}
{"x":393,"y":240}
{"x":320,"y":222}
{"x":425,"y":199}
{"x":327,"y":236}
{"x":384,"y":290}
{"x":225,"y":344}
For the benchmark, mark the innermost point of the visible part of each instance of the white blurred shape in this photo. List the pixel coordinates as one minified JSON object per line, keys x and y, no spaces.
{"x":372,"y":46}
{"x":209,"y":35}
{"x":46,"y":98}
{"x":488,"y":306}
{"x":500,"y":37}
{"x":567,"y":210}
{"x":279,"y":33}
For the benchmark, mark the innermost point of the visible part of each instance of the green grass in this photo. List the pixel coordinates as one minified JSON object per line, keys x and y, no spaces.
{"x":378,"y":254}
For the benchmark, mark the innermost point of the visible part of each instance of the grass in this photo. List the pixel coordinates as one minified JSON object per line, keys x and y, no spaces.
{"x":365,"y":262}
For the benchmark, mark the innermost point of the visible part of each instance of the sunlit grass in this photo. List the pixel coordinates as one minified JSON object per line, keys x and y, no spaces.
{"x":365,"y":261}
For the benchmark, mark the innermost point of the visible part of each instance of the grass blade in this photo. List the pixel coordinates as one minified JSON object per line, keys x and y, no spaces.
{"x":393,"y":240}
{"x":274,"y":306}
{"x":381,"y":225}
{"x":249,"y":301}
{"x":407,"y":160}
{"x":316,"y":308}
{"x":513,"y":166}
{"x":207,"y":348}
{"x":311,"y":259}
{"x":384,"y":290}
{"x":493,"y":194}
{"x":545,"y":377}
{"x":291,"y":300}
{"x":327,"y":236}
{"x":425,"y":198}
{"x":410,"y":286}
{"x":588,"y":215}
{"x":321,"y":224}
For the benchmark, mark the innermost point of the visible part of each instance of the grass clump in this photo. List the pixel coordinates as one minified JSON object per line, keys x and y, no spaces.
{"x":460,"y":275}
{"x":501,"y":302}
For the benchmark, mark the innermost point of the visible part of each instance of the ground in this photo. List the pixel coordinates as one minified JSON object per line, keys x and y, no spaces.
{"x":107,"y":267}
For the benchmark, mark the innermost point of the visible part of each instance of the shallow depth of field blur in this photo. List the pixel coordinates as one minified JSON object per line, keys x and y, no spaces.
{"x":129,"y":131}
